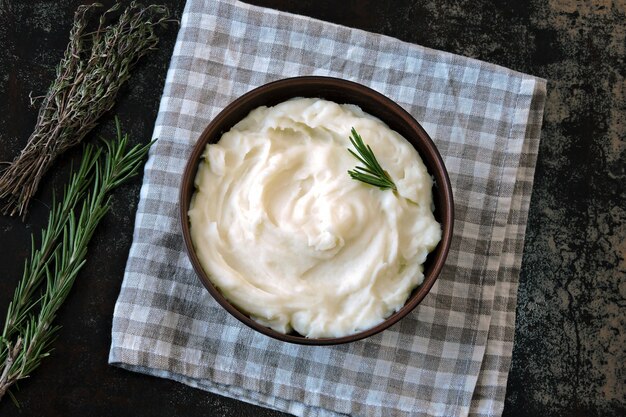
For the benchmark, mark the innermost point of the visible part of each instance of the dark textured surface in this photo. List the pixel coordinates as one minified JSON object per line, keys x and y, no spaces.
{"x":569,"y":355}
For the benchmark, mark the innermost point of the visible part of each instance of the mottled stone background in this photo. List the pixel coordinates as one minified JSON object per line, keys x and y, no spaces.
{"x":569,"y":356}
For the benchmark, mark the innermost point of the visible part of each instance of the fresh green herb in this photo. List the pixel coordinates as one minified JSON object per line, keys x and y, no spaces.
{"x":52,"y":268}
{"x":95,"y":66}
{"x":371,"y":173}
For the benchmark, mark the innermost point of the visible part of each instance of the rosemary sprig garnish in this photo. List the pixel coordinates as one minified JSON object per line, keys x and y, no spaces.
{"x":371,"y":173}
{"x":95,"y":66}
{"x":52,"y":268}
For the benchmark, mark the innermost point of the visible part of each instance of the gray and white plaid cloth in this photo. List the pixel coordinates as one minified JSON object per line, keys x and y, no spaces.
{"x":451,"y":356}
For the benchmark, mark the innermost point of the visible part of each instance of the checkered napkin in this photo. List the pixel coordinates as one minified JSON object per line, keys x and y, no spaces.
{"x":451,"y":355}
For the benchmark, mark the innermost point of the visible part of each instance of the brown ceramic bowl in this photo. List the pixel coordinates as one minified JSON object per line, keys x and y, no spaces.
{"x":372,"y":102}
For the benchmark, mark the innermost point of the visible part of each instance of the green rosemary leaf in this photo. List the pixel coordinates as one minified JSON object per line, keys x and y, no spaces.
{"x":51,"y":270}
{"x":371,"y":173}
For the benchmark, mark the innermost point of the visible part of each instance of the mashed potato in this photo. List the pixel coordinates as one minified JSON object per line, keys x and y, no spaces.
{"x":289,"y":238}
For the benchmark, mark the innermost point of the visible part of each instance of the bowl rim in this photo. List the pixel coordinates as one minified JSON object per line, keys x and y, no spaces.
{"x":440,"y":174}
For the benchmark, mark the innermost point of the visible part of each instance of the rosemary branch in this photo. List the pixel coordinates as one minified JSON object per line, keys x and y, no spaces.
{"x":52,"y":268}
{"x":95,"y":66}
{"x":371,"y":173}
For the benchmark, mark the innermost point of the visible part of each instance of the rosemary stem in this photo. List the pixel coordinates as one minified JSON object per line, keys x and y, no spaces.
{"x":28,"y":331}
{"x":371,"y":173}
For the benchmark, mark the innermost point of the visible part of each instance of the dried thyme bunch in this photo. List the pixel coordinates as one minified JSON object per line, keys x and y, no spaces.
{"x":95,"y":65}
{"x":50,"y":272}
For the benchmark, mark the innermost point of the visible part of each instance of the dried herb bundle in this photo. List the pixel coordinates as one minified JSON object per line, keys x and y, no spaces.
{"x":95,"y":65}
{"x":52,"y":268}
